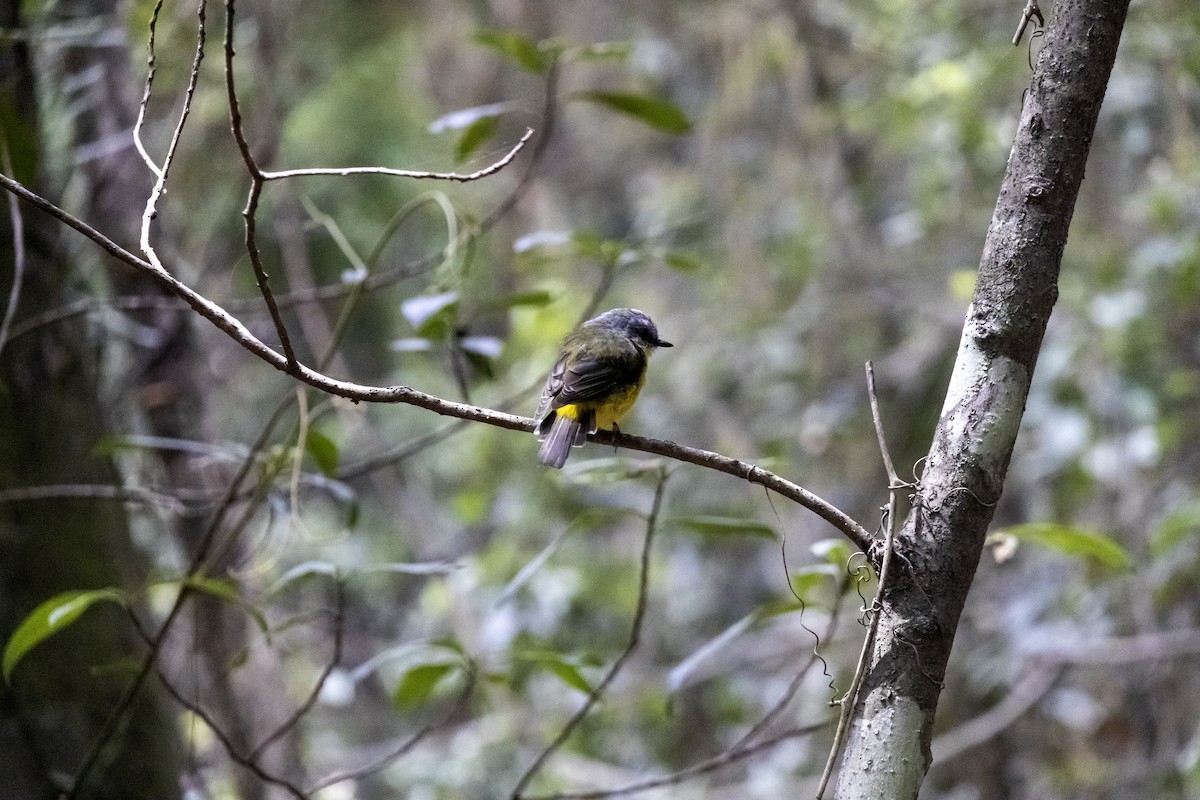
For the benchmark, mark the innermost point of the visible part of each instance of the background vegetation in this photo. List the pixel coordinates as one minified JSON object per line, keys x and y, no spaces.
{"x":822,"y":202}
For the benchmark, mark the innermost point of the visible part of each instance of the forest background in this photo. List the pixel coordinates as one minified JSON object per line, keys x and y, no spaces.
{"x":394,"y":602}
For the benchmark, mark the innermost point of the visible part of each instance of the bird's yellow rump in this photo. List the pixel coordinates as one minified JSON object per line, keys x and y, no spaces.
{"x":600,"y":369}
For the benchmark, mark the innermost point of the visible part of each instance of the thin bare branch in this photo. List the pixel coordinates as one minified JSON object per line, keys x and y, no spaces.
{"x":405,"y":746}
{"x":992,"y":722}
{"x":335,"y":658}
{"x":156,"y":642}
{"x":491,"y":169}
{"x":850,"y":700}
{"x":250,"y":212}
{"x":794,"y":686}
{"x":877,"y":418}
{"x":1119,"y":650}
{"x":249,"y":762}
{"x":127,"y":494}
{"x":17,"y":223}
{"x":160,"y":185}
{"x":146,"y":91}
{"x":1032,"y":12}
{"x":635,"y":634}
{"x":549,"y":118}
{"x":234,"y":328}
{"x":724,"y":759}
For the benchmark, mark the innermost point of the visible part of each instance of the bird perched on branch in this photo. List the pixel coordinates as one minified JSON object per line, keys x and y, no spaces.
{"x":600,"y":370}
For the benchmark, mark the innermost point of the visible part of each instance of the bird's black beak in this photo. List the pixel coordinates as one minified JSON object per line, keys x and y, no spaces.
{"x":661,"y":343}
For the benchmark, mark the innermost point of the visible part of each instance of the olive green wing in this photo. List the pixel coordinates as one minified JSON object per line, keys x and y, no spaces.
{"x":589,"y":379}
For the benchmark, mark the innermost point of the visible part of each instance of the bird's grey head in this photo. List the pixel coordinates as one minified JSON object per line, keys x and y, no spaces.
{"x":633,"y":323}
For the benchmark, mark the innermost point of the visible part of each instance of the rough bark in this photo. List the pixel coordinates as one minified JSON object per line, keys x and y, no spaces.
{"x":166,"y":372}
{"x":51,"y":419}
{"x":888,"y":754}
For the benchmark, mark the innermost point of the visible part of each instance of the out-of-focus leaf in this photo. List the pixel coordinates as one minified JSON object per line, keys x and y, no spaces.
{"x":678,"y":260}
{"x":806,"y":579}
{"x":323,"y":451}
{"x":603,"y":471}
{"x":962,"y":284}
{"x":430,"y":313}
{"x":526,"y":572}
{"x":419,"y":683}
{"x":411,"y":344}
{"x":534,"y":297}
{"x":536,"y":239}
{"x":562,"y":667}
{"x":467,"y":117}
{"x":597,"y":51}
{"x":1181,"y":524}
{"x":523,"y":52}
{"x":656,"y":112}
{"x":723,"y":526}
{"x":300,"y":572}
{"x":49,"y":618}
{"x":483,"y":346}
{"x":408,"y":568}
{"x":833,"y":551}
{"x":1072,"y":541}
{"x":227,"y":591}
{"x":475,"y":135}
{"x":683,"y":674}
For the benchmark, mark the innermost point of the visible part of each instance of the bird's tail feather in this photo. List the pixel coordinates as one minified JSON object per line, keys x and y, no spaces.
{"x":556,"y":445}
{"x":564,"y":434}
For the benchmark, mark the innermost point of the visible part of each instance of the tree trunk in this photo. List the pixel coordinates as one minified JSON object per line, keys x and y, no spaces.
{"x":52,"y":419}
{"x":166,"y":376}
{"x":939,"y":546}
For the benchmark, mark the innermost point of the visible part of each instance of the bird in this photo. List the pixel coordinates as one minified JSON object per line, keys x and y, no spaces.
{"x":600,"y":369}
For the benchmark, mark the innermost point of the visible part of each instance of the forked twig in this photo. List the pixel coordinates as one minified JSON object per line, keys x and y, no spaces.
{"x":160,"y":184}
{"x":250,"y":212}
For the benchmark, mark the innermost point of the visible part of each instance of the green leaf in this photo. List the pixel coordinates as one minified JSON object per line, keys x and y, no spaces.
{"x":724,"y":526}
{"x":834,"y":551}
{"x":562,"y":667}
{"x":523,"y":52}
{"x":654,"y":111}
{"x":535,"y":298}
{"x":605,"y":471}
{"x":323,"y":451}
{"x":1072,"y":541}
{"x":678,"y":260}
{"x":466,"y":117}
{"x":49,"y":618}
{"x":806,"y":580}
{"x":227,"y":591}
{"x":1180,"y":525}
{"x":431,"y":315}
{"x":601,"y":51}
{"x":420,"y":682}
{"x":475,"y":135}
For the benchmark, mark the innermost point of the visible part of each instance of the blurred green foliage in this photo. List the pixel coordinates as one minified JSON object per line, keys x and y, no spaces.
{"x":789,"y":190}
